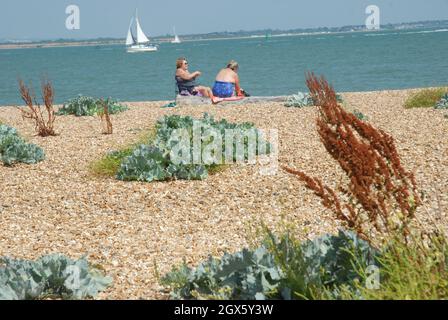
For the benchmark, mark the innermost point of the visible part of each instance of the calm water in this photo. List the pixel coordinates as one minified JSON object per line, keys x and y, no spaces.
{"x":275,"y":66}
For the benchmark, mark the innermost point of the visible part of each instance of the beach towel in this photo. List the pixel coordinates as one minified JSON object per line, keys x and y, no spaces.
{"x":217,"y":100}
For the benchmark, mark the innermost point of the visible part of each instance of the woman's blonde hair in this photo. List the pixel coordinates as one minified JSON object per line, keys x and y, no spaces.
{"x":233,"y":65}
{"x":180,"y":62}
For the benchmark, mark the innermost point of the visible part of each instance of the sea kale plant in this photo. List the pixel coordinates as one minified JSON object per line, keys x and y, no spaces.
{"x":53,"y":276}
{"x":13,"y":148}
{"x":282,"y":268}
{"x":303,"y":99}
{"x":246,"y":275}
{"x":179,"y":140}
{"x":88,"y":106}
{"x":361,"y":116}
{"x":443,"y":103}
{"x":299,"y":100}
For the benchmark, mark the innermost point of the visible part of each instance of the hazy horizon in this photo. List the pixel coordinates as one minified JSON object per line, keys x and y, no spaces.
{"x":110,"y":19}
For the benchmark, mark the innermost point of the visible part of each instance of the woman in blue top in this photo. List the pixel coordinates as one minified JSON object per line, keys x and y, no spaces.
{"x":227,"y":82}
{"x":186,"y":81}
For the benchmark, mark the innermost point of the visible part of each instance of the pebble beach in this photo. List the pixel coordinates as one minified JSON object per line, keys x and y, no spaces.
{"x":136,"y":231}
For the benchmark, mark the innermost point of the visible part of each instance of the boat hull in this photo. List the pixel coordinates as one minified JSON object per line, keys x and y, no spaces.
{"x":136,"y":49}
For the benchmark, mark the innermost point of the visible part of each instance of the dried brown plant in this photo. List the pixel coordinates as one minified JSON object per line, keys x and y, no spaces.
{"x":105,"y":118}
{"x":44,"y":126}
{"x":381,"y":195}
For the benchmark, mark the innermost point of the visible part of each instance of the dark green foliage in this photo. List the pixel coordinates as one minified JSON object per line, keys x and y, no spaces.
{"x":153,"y":161}
{"x":54,"y":276}
{"x":14,"y":149}
{"x":88,"y":106}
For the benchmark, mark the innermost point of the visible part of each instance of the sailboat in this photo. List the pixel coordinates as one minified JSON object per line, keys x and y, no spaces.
{"x":139,"y":43}
{"x":176,"y":37}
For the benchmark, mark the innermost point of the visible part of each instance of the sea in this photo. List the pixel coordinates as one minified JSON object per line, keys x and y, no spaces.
{"x":354,"y":61}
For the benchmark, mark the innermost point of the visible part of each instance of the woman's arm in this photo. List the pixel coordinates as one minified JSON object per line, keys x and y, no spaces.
{"x":237,"y":85}
{"x":187,"y":75}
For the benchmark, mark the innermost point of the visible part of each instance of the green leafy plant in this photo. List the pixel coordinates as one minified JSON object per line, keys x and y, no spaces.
{"x":152,"y":161}
{"x":282,"y":268}
{"x":245,"y":275}
{"x":149,"y":163}
{"x":109,"y":165}
{"x":426,"y":98}
{"x":443,"y":102}
{"x":299,"y":100}
{"x":53,"y":276}
{"x":319,"y":267}
{"x":328,"y":267}
{"x":88,"y":106}
{"x":361,"y":116}
{"x":13,"y":148}
{"x":409,"y":270}
{"x":303,"y":99}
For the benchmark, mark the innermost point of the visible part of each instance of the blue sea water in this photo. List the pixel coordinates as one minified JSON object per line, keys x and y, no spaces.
{"x":274,"y":66}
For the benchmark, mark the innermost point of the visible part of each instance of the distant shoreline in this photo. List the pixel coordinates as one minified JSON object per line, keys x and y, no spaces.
{"x":228,"y":35}
{"x":10,"y":46}
{"x":158,"y":41}
{"x":167,"y":41}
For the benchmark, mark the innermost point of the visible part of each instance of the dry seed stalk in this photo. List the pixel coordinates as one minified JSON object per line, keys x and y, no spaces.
{"x":44,"y":128}
{"x":381,"y":194}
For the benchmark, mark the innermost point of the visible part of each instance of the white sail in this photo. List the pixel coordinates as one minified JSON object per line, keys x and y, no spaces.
{"x":176,"y":37}
{"x":141,"y":37}
{"x":130,"y":38}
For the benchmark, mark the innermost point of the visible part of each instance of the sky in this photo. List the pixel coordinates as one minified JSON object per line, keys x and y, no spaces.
{"x":46,"y":19}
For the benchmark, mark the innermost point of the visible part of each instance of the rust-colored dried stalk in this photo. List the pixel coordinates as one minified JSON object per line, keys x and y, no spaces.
{"x":44,"y":127}
{"x":105,"y":118}
{"x":381,"y":193}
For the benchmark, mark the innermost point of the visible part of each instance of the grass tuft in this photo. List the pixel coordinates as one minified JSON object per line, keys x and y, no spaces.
{"x":426,"y":98}
{"x":108,"y":165}
{"x":411,"y":271}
